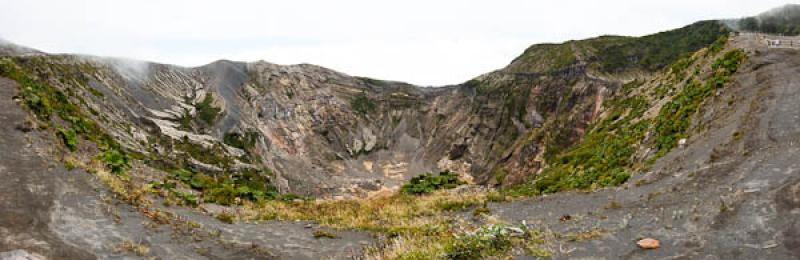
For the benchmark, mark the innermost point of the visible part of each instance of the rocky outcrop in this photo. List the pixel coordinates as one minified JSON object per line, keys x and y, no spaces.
{"x":327,"y":133}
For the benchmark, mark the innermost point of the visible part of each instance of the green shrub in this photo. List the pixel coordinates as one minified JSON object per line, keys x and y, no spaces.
{"x":241,"y":141}
{"x":224,"y":194}
{"x":246,"y":185}
{"x":206,"y":111}
{"x":427,"y":183}
{"x":116,"y":160}
{"x":185,"y":121}
{"x":69,"y":137}
{"x":487,"y":241}
{"x":495,"y":241}
{"x":215,"y":155}
{"x":363,"y":104}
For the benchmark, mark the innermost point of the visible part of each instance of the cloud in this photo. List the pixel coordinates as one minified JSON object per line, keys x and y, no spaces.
{"x":423,"y":42}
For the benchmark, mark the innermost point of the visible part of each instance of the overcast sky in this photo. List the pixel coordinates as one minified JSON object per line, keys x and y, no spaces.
{"x":424,"y":42}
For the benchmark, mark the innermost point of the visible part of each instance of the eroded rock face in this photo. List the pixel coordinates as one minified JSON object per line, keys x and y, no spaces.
{"x":326,"y":133}
{"x":323,"y":132}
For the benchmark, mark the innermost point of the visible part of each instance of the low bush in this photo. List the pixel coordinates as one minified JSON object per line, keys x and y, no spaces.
{"x":427,"y":183}
{"x":206,"y":111}
{"x":249,"y":185}
{"x":363,"y":104}
{"x":495,"y":240}
{"x":115,"y":160}
{"x":69,"y":137}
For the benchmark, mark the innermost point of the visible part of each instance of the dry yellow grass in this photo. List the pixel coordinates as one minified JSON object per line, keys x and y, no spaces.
{"x":420,"y":226}
{"x":411,"y":246}
{"x":396,"y":213}
{"x":130,"y":246}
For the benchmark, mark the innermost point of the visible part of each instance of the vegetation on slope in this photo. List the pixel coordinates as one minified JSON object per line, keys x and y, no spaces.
{"x":45,"y":100}
{"x":362,"y":104}
{"x":224,"y":189}
{"x":654,"y":52}
{"x":206,"y":111}
{"x":604,"y":157}
{"x":614,"y":54}
{"x":427,"y":183}
{"x":419,"y":226}
{"x":422,"y":221}
{"x":674,"y":119}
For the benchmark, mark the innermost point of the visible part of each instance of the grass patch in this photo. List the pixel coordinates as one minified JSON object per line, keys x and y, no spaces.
{"x":427,"y":183}
{"x":494,"y":240}
{"x":214,"y":155}
{"x":226,"y":217}
{"x":228,"y":188}
{"x":419,"y":226}
{"x":133,"y":247}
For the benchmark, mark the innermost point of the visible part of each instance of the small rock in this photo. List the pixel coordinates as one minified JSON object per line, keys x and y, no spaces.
{"x":26,"y":126}
{"x":648,"y":243}
{"x":309,"y":225}
{"x":297,"y":201}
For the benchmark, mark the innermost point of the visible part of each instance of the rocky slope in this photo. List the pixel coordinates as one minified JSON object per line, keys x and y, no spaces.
{"x":322,"y":132}
{"x":583,"y":115}
{"x":730,"y":191}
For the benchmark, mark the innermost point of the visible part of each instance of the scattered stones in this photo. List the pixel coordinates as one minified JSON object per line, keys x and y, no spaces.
{"x":649,"y":243}
{"x":19,"y":255}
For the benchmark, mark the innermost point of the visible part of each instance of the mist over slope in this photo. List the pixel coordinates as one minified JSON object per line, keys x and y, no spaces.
{"x":782,"y":20}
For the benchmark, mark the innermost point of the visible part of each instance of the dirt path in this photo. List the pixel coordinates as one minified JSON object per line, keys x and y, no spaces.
{"x":721,"y":197}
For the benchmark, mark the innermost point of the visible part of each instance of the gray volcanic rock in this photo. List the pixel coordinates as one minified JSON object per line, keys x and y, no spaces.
{"x":326,"y":133}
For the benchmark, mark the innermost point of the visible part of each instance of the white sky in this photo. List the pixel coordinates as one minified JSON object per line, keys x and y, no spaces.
{"x":424,"y":42}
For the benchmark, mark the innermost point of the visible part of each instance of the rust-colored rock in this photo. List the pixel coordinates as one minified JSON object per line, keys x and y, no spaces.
{"x":649,"y":243}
